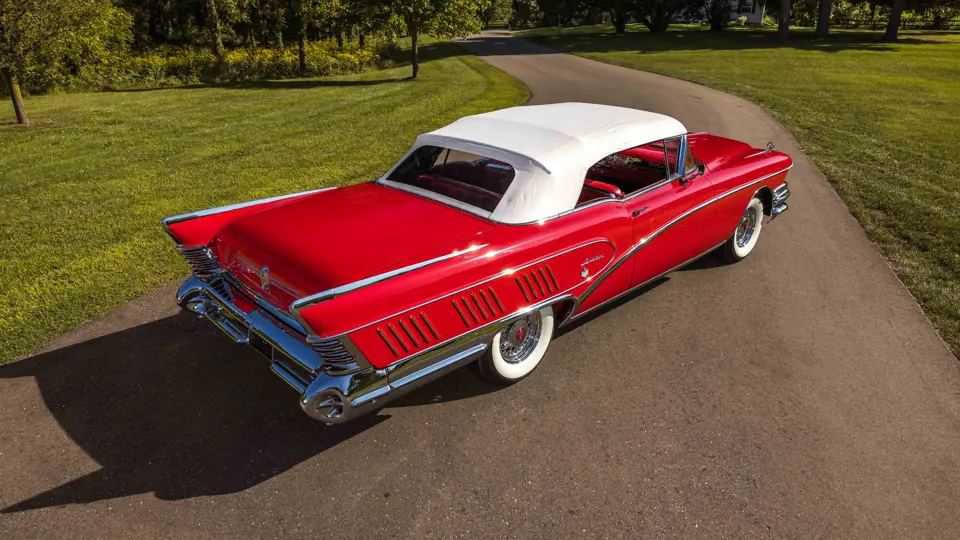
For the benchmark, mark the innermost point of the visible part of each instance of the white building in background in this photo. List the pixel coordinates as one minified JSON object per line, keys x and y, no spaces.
{"x":751,"y":10}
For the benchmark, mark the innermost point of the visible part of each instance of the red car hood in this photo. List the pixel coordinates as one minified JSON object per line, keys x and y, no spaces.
{"x":336,"y":237}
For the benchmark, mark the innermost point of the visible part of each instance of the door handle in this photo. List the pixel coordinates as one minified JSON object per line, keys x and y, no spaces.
{"x":636,"y":213}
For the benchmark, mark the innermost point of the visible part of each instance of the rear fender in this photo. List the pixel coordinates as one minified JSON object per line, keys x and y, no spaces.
{"x":198,"y":228}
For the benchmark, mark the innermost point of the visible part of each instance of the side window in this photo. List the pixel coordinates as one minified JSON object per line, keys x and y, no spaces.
{"x":672,"y":148}
{"x":630,"y":170}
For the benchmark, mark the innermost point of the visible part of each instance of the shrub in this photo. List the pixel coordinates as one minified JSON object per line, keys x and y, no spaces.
{"x":167,"y":66}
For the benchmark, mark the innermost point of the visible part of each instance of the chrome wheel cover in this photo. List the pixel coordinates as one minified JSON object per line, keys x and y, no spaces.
{"x":519,"y":339}
{"x":746,"y":227}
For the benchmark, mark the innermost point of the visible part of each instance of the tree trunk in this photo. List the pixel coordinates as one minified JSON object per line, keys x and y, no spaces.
{"x":302,"y":50}
{"x":823,"y":18}
{"x":340,"y":40}
{"x":14,"y":86}
{"x":658,"y":24}
{"x":415,"y":53}
{"x":783,"y":29}
{"x":893,"y":25}
{"x":214,"y":23}
{"x":363,"y":40}
{"x":620,"y":21}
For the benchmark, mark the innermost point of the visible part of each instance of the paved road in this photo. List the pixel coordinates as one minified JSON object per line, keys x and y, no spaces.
{"x":799,"y":394}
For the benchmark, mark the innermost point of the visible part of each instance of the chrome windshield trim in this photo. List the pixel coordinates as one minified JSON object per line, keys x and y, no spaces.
{"x":663,"y":228}
{"x":313,"y":299}
{"x":167,"y":221}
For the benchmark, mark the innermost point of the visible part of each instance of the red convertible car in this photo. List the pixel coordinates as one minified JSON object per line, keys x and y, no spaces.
{"x":484,"y":238}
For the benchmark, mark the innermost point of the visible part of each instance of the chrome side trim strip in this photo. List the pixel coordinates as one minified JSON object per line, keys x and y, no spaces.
{"x":472,"y":351}
{"x":647,"y":239}
{"x":166,"y":222}
{"x":575,"y":315}
{"x":370,"y":396}
{"x":478,"y":284}
{"x":308,"y":301}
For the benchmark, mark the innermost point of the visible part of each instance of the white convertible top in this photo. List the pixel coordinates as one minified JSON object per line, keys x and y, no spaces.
{"x":549,"y":146}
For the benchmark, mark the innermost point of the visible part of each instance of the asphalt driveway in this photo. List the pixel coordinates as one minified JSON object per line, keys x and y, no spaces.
{"x":799,"y":394}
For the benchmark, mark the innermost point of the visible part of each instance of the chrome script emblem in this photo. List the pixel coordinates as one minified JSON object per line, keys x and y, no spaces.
{"x":265,"y":278}
{"x":593,"y":259}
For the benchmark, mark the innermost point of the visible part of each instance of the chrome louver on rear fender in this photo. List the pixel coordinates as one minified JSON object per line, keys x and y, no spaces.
{"x":205,"y":265}
{"x":201,"y":259}
{"x":338,"y":355}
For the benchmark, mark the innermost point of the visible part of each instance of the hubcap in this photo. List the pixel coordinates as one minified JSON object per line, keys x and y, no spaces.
{"x":519,"y":339}
{"x":748,"y":223}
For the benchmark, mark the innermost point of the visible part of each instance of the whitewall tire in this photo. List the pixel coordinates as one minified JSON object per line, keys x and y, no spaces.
{"x":518,"y":348}
{"x":745,"y":236}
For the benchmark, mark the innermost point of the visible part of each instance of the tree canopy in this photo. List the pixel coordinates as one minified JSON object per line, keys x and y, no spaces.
{"x":56,"y":38}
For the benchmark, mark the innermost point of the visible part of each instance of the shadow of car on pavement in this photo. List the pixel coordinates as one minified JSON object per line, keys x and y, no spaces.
{"x":172,"y":407}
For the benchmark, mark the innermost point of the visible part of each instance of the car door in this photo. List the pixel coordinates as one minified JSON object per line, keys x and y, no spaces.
{"x":671,"y":222}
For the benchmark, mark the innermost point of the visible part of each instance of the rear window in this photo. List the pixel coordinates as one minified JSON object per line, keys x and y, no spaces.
{"x":471,"y":179}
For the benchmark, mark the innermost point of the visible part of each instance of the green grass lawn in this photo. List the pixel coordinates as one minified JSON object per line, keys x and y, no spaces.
{"x":882,"y":121}
{"x":84,"y":187}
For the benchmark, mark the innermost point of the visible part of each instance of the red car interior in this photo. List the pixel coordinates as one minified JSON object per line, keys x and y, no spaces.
{"x":624,"y":172}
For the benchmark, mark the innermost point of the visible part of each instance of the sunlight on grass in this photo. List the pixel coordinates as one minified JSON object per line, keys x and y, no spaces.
{"x":85,"y":187}
{"x":880,"y":121}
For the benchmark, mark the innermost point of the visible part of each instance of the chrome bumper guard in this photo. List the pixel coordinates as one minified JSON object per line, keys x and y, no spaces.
{"x":331,"y":397}
{"x":779,"y":200}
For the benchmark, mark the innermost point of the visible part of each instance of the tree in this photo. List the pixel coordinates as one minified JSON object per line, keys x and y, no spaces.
{"x":619,"y":12}
{"x":497,"y":10}
{"x":893,"y":23}
{"x":656,"y":14}
{"x":823,"y":18}
{"x":783,"y":28}
{"x":439,"y":18}
{"x":718,"y":13}
{"x":213,"y":22}
{"x":44,"y":37}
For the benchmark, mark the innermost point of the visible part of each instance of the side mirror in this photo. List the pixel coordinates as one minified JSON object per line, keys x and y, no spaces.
{"x":685,"y":179}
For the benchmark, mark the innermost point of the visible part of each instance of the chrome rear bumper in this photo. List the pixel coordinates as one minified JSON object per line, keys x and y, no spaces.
{"x":327,"y":394}
{"x":779,"y":200}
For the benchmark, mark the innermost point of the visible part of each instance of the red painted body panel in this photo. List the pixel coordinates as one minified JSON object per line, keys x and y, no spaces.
{"x":507,"y":248}
{"x":339,"y":236}
{"x":321,"y":241}
{"x":199,"y":231}
{"x":411,"y":331}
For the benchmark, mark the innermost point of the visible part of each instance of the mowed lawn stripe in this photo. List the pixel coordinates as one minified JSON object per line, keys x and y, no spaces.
{"x":84,"y":187}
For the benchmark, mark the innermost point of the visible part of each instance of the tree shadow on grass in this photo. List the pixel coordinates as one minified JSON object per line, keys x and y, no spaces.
{"x":275,"y":84}
{"x":171,"y":407}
